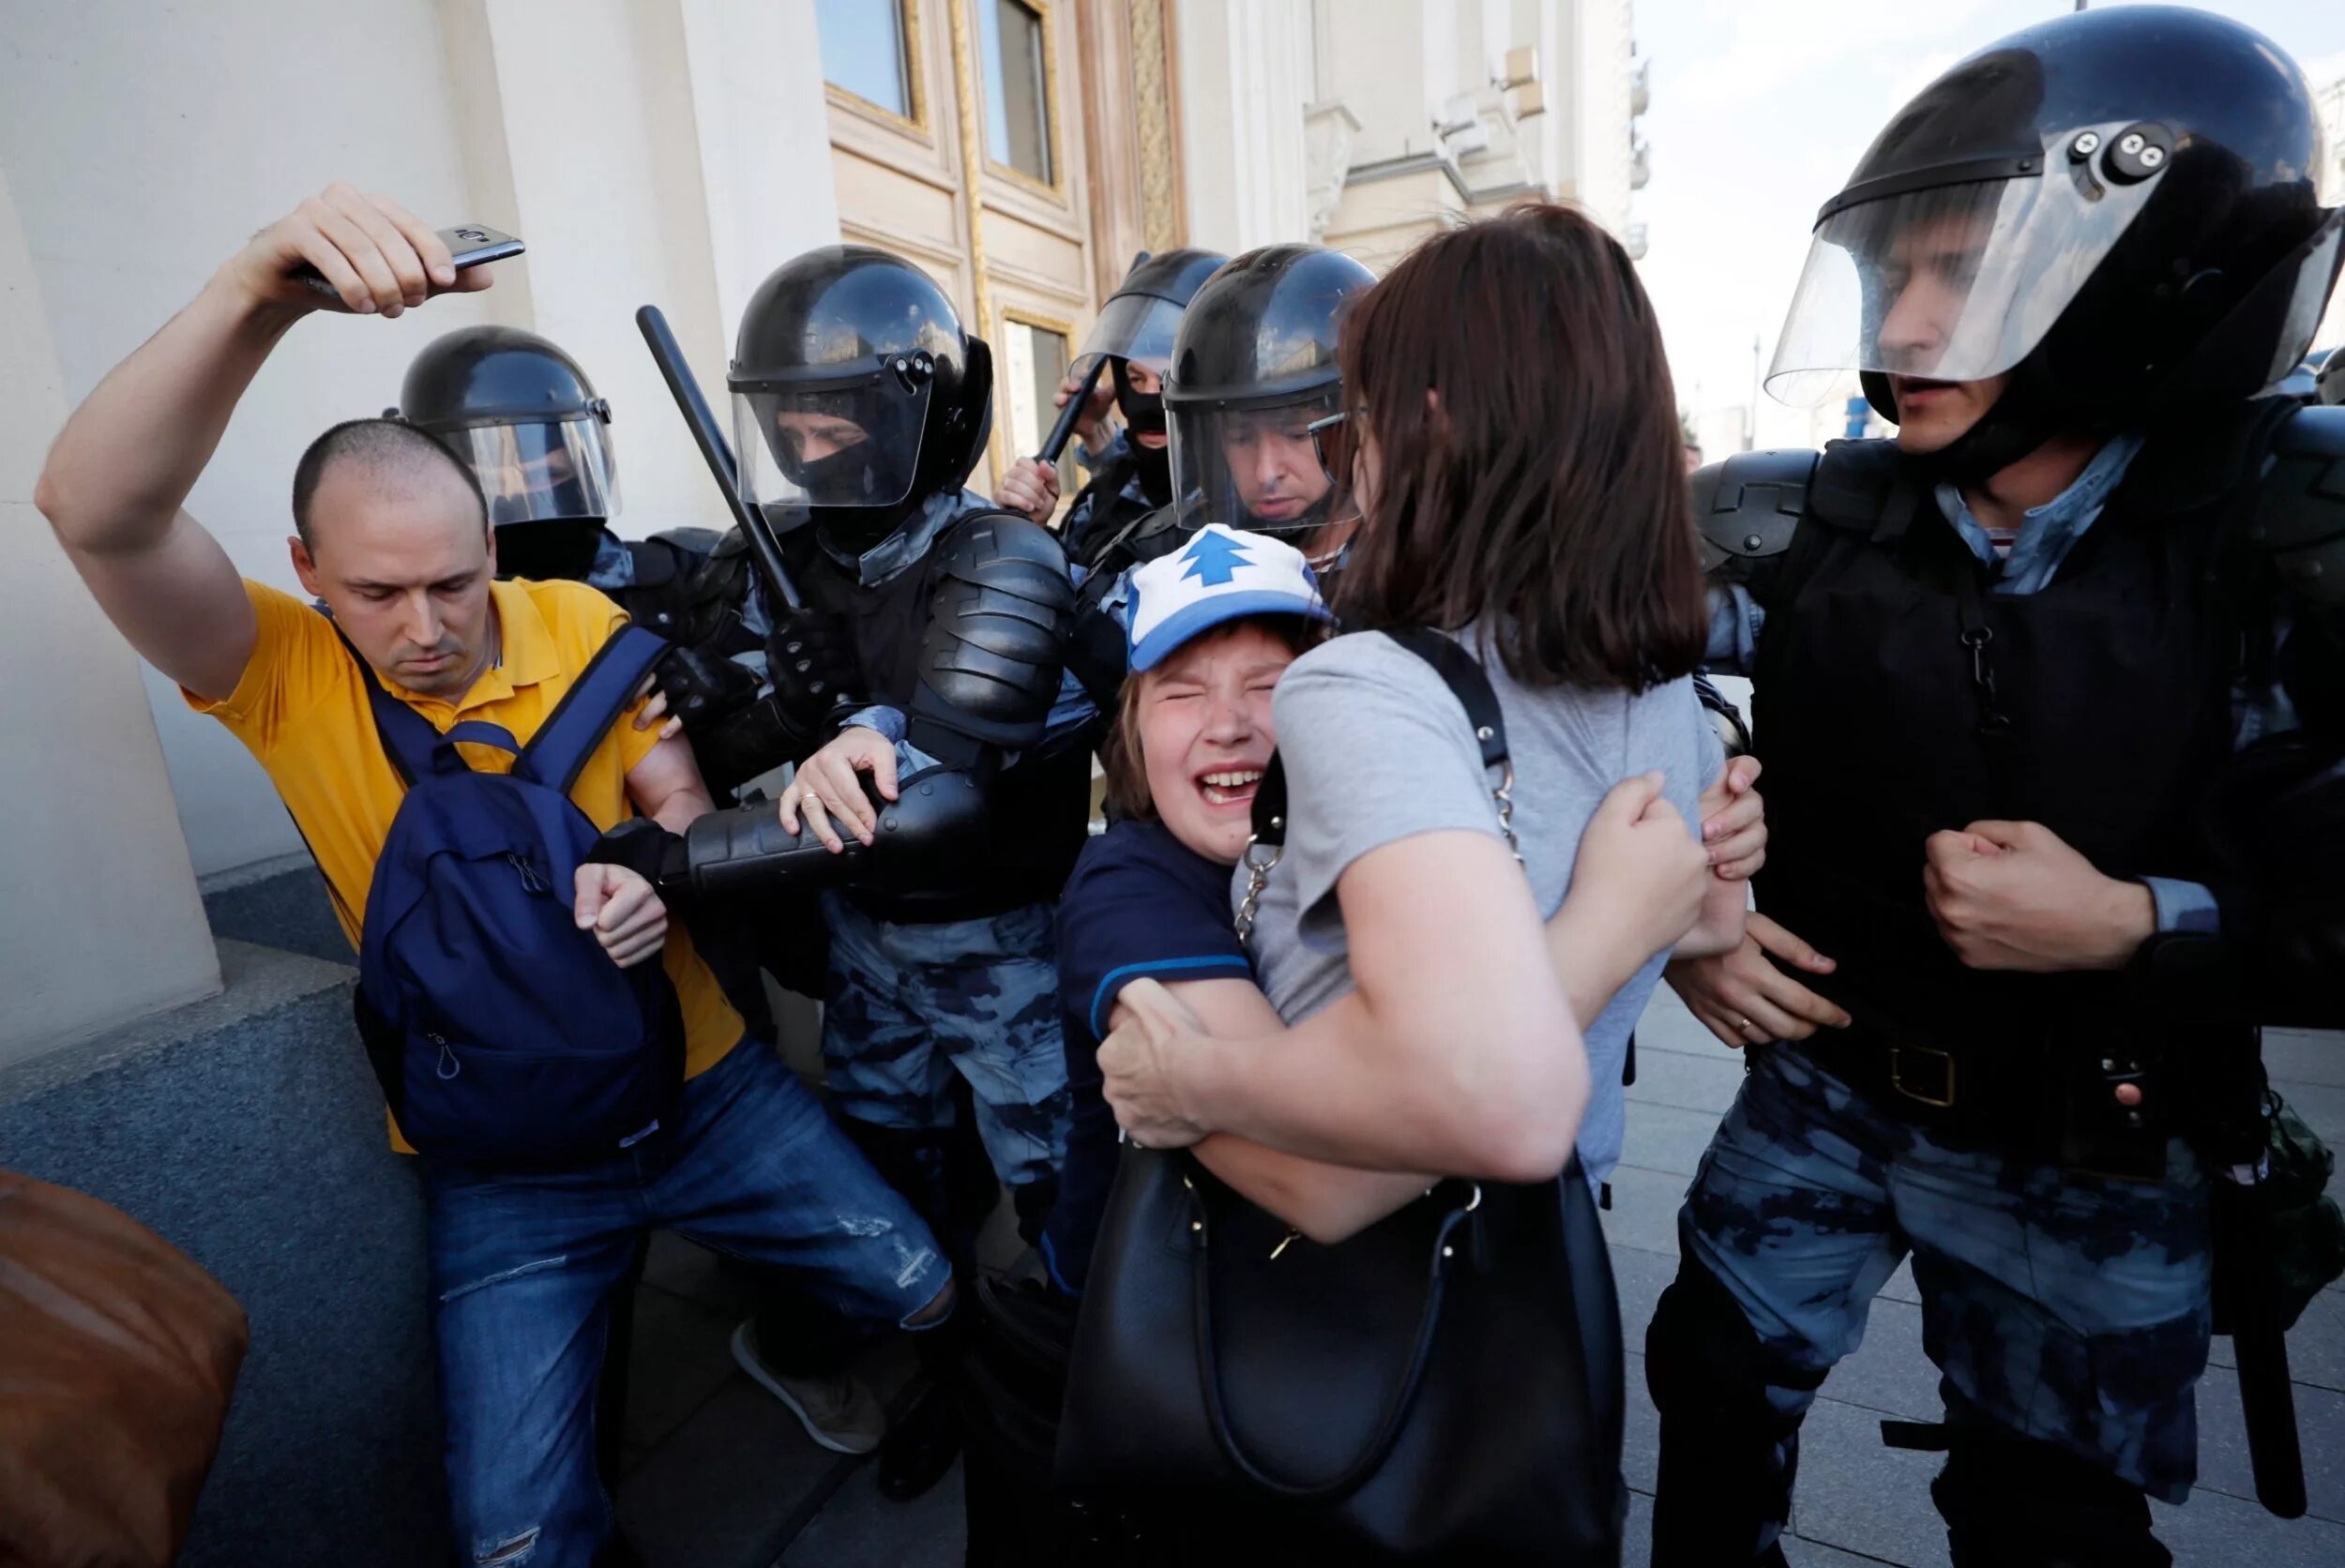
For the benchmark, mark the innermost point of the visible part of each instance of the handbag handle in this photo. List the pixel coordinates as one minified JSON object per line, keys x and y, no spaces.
{"x":1387,"y":1433}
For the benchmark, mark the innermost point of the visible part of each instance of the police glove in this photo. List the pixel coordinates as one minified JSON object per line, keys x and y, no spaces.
{"x":810,"y":658}
{"x":702,"y":686}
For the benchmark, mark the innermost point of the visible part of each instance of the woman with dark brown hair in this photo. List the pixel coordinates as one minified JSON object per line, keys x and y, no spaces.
{"x":1516,"y":455}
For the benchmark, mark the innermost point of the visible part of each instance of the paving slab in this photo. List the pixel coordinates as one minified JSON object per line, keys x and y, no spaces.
{"x":1644,"y":1210}
{"x":1688,"y":1081}
{"x":1666,"y":1138}
{"x":2316,"y":1345}
{"x":1860,"y":1497}
{"x":859,"y":1528}
{"x":680,"y":1353}
{"x":729,"y":1489}
{"x":2223,"y":1463}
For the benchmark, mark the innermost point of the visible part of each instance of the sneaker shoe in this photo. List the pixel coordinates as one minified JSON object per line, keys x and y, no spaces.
{"x":837,"y":1409}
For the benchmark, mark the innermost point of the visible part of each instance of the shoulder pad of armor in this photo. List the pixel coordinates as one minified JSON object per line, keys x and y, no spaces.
{"x":1749,"y":506}
{"x":2299,"y":506}
{"x":982,"y":537}
{"x":656,"y":563}
{"x":693,"y":541}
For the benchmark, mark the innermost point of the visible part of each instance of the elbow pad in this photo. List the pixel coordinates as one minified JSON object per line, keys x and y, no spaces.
{"x":933,"y":826}
{"x":999,"y":619}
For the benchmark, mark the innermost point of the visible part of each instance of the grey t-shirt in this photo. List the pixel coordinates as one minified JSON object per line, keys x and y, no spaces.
{"x":1378,"y":749}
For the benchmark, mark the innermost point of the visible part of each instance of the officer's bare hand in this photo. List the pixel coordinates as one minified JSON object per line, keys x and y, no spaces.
{"x":1031,"y":486}
{"x":377,"y":255}
{"x":2014,"y":896}
{"x":826,"y":786}
{"x":623,"y":912}
{"x":1136,"y":1065}
{"x":1091,"y":425}
{"x":1734,"y":820}
{"x":1746,"y":1001}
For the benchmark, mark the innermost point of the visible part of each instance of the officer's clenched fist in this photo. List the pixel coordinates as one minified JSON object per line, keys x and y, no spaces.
{"x":2015,"y":896}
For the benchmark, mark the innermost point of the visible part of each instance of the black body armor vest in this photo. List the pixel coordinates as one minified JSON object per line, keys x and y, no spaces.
{"x":1897,"y":695}
{"x":1040,"y":806}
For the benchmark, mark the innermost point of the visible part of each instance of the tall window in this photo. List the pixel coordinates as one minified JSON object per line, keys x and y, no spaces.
{"x":1017,"y":87}
{"x":864,"y":51}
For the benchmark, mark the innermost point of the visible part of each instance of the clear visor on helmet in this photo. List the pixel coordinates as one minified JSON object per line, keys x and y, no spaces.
{"x":1255,"y":469}
{"x":828,"y":445}
{"x":1136,"y":327}
{"x":1952,"y":282}
{"x":541,"y":472}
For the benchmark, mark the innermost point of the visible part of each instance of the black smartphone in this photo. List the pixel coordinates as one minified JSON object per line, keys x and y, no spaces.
{"x":469,"y":245}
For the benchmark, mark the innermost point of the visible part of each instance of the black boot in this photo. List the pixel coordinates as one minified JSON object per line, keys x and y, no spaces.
{"x":1728,"y":1456}
{"x":923,"y":1442}
{"x":2014,"y":1502}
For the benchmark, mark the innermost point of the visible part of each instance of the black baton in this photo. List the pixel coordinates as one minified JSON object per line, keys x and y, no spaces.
{"x":1063,"y":431}
{"x":669,"y":356}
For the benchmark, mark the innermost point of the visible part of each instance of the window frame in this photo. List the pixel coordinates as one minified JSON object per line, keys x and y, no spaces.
{"x":1006,"y":314}
{"x":1054,"y":138}
{"x":916,"y":85}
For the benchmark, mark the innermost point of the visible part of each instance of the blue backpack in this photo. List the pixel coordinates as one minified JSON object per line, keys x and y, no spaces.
{"x":500,"y":1032}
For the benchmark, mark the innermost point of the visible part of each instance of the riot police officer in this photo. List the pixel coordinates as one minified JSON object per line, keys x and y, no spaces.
{"x":929,"y":809}
{"x":2008,"y":668}
{"x":1131,"y":469}
{"x":1252,"y":395}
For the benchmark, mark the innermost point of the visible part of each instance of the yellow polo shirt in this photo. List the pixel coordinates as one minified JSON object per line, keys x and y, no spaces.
{"x":300,"y":708}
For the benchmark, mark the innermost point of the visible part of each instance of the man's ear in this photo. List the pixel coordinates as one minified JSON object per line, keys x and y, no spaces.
{"x":305,"y":568}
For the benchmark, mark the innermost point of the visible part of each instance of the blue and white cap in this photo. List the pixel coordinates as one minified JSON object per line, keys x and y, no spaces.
{"x":1220,"y":575}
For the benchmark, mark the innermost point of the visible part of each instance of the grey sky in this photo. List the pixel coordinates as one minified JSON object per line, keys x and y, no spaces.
{"x":1759,"y":109}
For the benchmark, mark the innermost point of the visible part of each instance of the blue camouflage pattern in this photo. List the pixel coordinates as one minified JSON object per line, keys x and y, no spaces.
{"x":906,"y":1006}
{"x":2069,"y":1308}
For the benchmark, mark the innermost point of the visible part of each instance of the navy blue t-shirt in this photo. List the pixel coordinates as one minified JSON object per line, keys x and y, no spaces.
{"x":1140,"y":903}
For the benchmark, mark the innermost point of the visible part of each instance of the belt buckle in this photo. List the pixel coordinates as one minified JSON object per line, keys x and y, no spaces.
{"x":1946,"y":1073}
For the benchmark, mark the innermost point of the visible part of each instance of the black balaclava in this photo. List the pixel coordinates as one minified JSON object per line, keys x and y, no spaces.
{"x":548,"y":550}
{"x":1143,"y":414}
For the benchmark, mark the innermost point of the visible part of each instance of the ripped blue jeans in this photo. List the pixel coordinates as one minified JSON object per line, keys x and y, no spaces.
{"x":523,"y":1265}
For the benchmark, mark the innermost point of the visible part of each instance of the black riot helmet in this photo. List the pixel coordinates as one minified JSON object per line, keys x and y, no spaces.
{"x":524,"y":417}
{"x":1136,"y":326}
{"x":1254,"y":366}
{"x":855,"y":394}
{"x":2116,"y":206}
{"x":1139,"y":317}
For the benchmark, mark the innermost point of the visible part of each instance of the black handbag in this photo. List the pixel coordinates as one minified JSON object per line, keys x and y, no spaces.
{"x":1444,"y":1387}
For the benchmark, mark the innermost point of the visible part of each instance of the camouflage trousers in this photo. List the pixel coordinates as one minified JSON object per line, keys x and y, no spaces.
{"x":2070,"y":1309}
{"x":906,"y":1006}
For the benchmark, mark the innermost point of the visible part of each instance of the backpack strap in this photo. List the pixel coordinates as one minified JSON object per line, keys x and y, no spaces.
{"x":557,"y":753}
{"x":409,"y":741}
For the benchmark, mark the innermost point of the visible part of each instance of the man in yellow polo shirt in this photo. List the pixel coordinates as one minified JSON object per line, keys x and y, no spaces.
{"x":393,"y":536}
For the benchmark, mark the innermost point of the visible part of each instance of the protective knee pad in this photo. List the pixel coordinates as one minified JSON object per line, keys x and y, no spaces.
{"x":2014,"y":1502}
{"x":1728,"y":1455}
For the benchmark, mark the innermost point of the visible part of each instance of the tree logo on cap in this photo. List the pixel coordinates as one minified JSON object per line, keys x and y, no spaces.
{"x":1213,"y":559}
